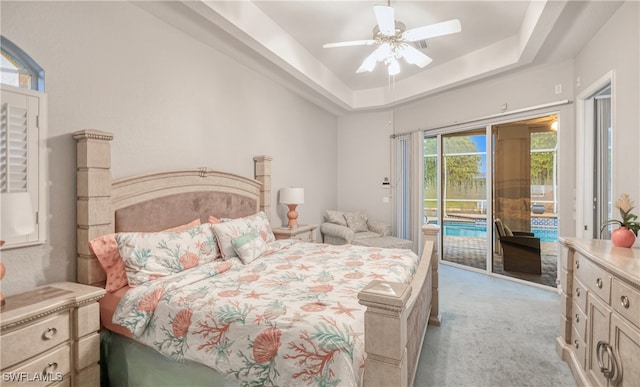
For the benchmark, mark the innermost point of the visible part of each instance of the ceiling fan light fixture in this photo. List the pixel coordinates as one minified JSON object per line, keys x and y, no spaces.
{"x":393,"y":66}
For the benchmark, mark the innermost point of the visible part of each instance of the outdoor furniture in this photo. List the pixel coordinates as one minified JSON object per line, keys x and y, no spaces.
{"x":520,"y":250}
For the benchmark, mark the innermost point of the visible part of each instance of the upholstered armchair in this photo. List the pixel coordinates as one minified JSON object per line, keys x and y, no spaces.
{"x":340,"y":228}
{"x":520,"y":250}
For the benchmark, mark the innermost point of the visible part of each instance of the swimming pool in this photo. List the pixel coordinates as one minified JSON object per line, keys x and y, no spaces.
{"x":479,"y":230}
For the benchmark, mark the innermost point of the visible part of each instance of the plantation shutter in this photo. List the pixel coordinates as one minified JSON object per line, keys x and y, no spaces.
{"x":14,"y":152}
{"x":20,"y":154}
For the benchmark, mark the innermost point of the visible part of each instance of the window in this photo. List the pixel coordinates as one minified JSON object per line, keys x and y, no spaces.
{"x":17,"y":69}
{"x":22,"y":138}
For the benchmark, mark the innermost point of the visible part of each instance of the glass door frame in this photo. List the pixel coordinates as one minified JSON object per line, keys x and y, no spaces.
{"x":488,"y":123}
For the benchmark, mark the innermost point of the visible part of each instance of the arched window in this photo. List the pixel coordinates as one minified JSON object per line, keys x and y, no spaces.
{"x":18,"y":69}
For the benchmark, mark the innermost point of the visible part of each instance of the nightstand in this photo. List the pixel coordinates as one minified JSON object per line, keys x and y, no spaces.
{"x":49,"y":336}
{"x":305,"y":233}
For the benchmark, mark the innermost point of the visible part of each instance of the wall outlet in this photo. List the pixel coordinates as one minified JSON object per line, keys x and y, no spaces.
{"x":559,"y":88}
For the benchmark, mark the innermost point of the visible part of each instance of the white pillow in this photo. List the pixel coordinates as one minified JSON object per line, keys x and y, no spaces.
{"x":226,"y":231}
{"x":249,"y":246}
{"x":148,"y":256}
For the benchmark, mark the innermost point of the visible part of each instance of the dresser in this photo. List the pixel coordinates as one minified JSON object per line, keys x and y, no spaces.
{"x":50,"y":336}
{"x":305,"y":233}
{"x":600,"y":312}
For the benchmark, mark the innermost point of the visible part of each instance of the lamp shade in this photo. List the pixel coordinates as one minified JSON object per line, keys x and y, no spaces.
{"x":292,"y":195}
{"x":17,"y":214}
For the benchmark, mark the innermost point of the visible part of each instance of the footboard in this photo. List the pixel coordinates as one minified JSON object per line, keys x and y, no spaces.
{"x":396,"y":319}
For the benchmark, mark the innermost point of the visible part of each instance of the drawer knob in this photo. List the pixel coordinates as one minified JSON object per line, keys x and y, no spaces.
{"x":599,"y":283}
{"x":577,"y":318}
{"x":575,"y":342}
{"x":624,"y":300}
{"x":577,"y":264}
{"x":49,"y":333}
{"x":49,"y":368}
{"x":577,"y":292}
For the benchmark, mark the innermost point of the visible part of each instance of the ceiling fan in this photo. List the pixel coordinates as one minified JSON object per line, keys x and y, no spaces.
{"x":393,"y":40}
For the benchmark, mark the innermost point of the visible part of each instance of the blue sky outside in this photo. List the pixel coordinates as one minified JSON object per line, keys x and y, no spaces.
{"x":481,"y":144}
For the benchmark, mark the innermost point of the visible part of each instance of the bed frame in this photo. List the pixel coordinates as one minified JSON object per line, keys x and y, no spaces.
{"x":397,"y":314}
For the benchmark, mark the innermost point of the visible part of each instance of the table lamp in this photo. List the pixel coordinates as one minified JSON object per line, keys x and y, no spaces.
{"x":17,"y":220}
{"x":291,"y":197}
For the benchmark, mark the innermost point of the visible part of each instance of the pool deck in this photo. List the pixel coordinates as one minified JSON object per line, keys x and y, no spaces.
{"x":472,"y":252}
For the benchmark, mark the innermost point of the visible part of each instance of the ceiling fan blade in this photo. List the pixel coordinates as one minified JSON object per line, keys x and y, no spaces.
{"x":414,"y":56}
{"x":369,"y":62}
{"x":386,"y":19}
{"x":433,"y":30}
{"x":367,"y":42}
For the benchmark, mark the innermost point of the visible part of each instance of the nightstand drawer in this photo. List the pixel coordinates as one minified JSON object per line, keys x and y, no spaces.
{"x":43,"y":371}
{"x":306,"y":236}
{"x":24,"y":343}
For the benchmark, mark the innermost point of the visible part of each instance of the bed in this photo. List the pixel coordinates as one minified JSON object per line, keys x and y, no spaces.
{"x":305,"y":314}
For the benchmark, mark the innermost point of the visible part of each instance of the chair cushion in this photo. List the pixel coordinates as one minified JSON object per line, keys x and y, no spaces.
{"x":507,"y":230}
{"x":500,"y":227}
{"x":365,"y":235}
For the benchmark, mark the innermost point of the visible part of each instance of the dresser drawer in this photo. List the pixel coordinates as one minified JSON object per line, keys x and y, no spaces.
{"x":579,"y":348}
{"x":626,"y":301}
{"x":580,"y":295}
{"x":31,"y":340}
{"x":579,"y":321}
{"x":597,"y":280}
{"x":41,"y":371}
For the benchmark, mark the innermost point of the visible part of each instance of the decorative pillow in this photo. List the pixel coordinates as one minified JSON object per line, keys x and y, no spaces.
{"x":336,"y":217}
{"x":507,"y":230}
{"x":105,"y":249}
{"x":260,"y":222}
{"x":226,"y":231}
{"x":357,"y":221}
{"x":148,"y":256}
{"x":249,"y":246}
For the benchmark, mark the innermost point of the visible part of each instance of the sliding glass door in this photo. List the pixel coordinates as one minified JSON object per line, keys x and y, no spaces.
{"x":493,"y":190}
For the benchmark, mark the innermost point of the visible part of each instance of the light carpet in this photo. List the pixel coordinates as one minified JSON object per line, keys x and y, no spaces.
{"x":495,"y":333}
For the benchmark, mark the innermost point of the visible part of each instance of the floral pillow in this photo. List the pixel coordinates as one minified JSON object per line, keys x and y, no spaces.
{"x":148,"y":256}
{"x":249,"y":246}
{"x":260,"y":222}
{"x":233,"y":228}
{"x":105,"y":249}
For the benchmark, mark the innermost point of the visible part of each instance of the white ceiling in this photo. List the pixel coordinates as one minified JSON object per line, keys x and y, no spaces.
{"x":285,"y":38}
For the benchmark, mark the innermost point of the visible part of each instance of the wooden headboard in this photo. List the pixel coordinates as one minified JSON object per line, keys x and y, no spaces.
{"x":155,"y":201}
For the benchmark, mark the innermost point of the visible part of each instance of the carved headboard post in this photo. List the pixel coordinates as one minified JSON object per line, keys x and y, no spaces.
{"x":262,"y":173}
{"x":94,"y":199}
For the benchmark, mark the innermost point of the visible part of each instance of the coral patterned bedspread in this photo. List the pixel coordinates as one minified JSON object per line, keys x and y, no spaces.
{"x":290,"y":317}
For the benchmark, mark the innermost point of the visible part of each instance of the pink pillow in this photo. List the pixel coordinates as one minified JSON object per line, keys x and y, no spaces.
{"x":105,"y":248}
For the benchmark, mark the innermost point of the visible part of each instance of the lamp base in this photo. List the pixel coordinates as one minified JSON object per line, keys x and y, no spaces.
{"x":292,"y":215}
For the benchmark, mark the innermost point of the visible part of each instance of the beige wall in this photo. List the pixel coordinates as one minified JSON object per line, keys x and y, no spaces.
{"x":171,"y":101}
{"x":616,"y":48}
